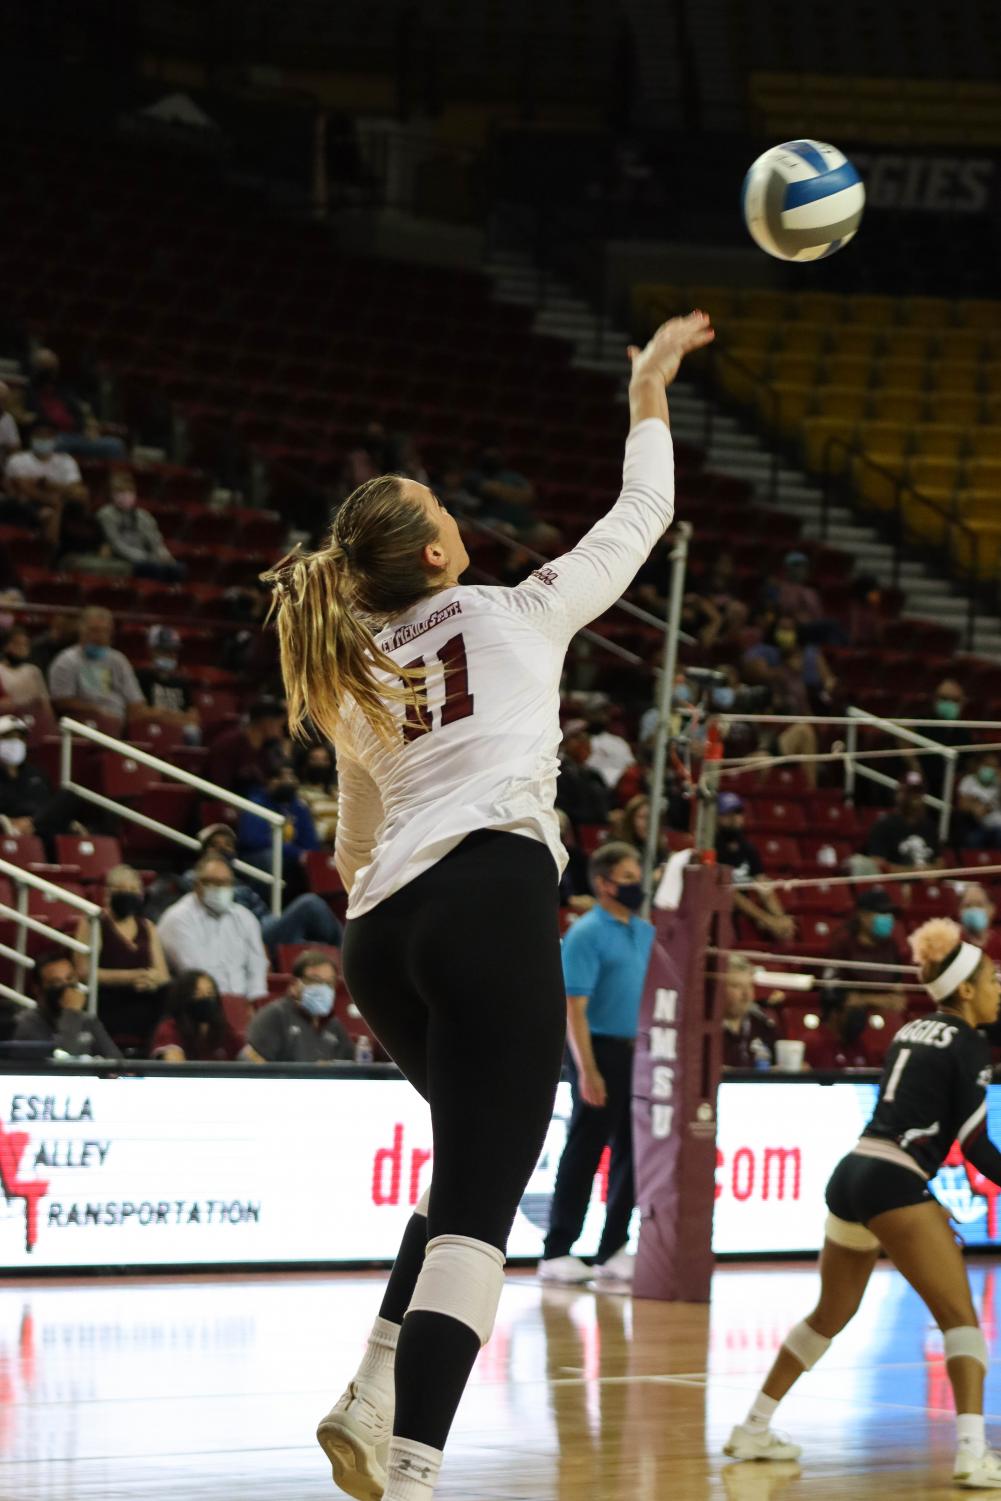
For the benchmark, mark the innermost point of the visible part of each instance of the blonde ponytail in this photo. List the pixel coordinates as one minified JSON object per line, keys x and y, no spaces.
{"x":371,"y":568}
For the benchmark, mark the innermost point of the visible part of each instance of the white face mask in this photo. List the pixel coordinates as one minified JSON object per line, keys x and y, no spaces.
{"x":218,"y":899}
{"x":13,"y":752}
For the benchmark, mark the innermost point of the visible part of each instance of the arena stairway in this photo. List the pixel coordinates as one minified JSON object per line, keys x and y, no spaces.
{"x":736,"y":450}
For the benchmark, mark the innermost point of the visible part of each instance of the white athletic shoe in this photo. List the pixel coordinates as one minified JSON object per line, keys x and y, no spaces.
{"x":744,"y":1443}
{"x":617,"y":1269}
{"x":978,"y":1472}
{"x":355,"y":1438}
{"x":565,"y":1269}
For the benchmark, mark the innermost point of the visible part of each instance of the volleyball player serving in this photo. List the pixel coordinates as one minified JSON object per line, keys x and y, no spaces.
{"x":933,"y":1092}
{"x":443,"y":704}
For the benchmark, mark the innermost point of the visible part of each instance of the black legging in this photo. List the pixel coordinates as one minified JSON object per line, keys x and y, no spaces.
{"x":459,"y":976}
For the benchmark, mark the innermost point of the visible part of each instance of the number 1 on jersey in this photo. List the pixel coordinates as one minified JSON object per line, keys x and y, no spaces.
{"x":889,"y":1093}
{"x":459,"y":702}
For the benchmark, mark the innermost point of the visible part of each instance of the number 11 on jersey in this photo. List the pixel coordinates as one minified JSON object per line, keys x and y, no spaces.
{"x":459,"y":702}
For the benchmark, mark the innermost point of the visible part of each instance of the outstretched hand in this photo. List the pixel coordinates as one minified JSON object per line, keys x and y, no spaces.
{"x":661,"y":358}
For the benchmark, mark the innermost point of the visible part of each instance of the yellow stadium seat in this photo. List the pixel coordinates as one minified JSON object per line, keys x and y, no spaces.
{"x":848,"y":403}
{"x":983,"y":563}
{"x":928,"y":312}
{"x":887,"y":405}
{"x":961,"y":377}
{"x":926,"y":514}
{"x":985,"y":442}
{"x":653,"y":302}
{"x":948,"y":406}
{"x":825,"y":443}
{"x":855,"y":342}
{"x":901,"y":375}
{"x":962,"y":344}
{"x":794,"y":369}
{"x":848,"y":370}
{"x":908,"y":343}
{"x":890,"y":439}
{"x":876,"y":481}
{"x":783,"y":405}
{"x":938,"y":474}
{"x":772,"y":306}
{"x":985,"y":474}
{"x":721,"y":303}
{"x":876,"y":311}
{"x":740,"y":377}
{"x":820,"y":307}
{"x":992,"y":377}
{"x":979,"y":312}
{"x":978,"y":505}
{"x":939,"y":440}
{"x":803,"y":338}
{"x":758,"y":332}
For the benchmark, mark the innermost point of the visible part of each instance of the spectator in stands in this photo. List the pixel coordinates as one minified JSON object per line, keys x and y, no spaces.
{"x":166,"y":691}
{"x":797,"y":674}
{"x":132,"y":975}
{"x":305,"y":919}
{"x":131,"y":533}
{"x":977,"y":816}
{"x":281,"y":795}
{"x":301,"y":1027}
{"x":63,"y":631}
{"x":40,"y":483}
{"x":51,"y":400}
{"x":907,"y":838}
{"x":244,"y":759}
{"x":61,"y":1016}
{"x":507,"y":499}
{"x":752,"y":896}
{"x":840,"y":1041}
{"x":611,"y":754}
{"x":21,"y":682}
{"x":720,"y":587}
{"x":631,"y":825}
{"x":93,"y":675}
{"x":196,"y":1029}
{"x":10,"y":437}
{"x":869,"y":936}
{"x":947,"y":705}
{"x":207,"y":930}
{"x":318,"y":790}
{"x":749,"y":1033}
{"x":866,"y":625}
{"x":976,"y":914}
{"x":580,"y":791}
{"x":28,"y":804}
{"x":575,"y":884}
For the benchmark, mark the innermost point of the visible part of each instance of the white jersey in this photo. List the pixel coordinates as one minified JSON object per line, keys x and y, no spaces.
{"x":486,"y":756}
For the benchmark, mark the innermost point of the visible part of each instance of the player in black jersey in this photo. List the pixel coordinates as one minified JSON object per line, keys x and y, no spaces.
{"x":933,"y":1092}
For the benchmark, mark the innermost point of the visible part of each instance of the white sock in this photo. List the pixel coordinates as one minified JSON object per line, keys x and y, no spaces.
{"x":970,"y":1432}
{"x":380,"y":1356}
{"x":761,"y":1413}
{"x":412,"y":1471}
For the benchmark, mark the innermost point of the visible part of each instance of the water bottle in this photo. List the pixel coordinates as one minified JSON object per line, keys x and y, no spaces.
{"x":363,"y":1049}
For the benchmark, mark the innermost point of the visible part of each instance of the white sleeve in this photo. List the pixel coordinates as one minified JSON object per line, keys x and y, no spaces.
{"x":562,"y":596}
{"x":359,"y":814}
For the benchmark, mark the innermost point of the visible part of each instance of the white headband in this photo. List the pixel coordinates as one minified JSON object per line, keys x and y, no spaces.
{"x":960,"y":969}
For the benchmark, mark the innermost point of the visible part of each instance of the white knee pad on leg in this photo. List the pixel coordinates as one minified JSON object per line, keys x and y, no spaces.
{"x":967,"y":1340}
{"x":421,"y":1207}
{"x":462,"y":1279}
{"x":806,"y":1344}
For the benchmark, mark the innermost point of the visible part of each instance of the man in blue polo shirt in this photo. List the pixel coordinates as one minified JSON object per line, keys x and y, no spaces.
{"x":605,"y":957}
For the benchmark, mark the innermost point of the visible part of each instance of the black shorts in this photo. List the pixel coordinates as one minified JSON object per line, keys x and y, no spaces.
{"x":862,"y":1187}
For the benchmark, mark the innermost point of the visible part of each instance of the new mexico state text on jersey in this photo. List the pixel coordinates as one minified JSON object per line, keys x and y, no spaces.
{"x":482,"y":752}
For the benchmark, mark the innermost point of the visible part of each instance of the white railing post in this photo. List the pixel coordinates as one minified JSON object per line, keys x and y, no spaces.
{"x":25,"y":881}
{"x":948,"y":793}
{"x":277,"y":842}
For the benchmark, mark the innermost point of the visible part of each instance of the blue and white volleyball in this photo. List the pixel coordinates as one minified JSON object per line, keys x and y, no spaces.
{"x":802,"y":200}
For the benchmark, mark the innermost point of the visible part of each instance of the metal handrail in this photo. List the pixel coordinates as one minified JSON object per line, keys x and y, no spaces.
{"x":853,"y":769}
{"x":903,"y":486}
{"x":70,"y":728}
{"x":26,"y":880}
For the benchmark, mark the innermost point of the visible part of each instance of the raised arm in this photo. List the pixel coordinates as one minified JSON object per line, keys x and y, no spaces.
{"x":562,"y":596}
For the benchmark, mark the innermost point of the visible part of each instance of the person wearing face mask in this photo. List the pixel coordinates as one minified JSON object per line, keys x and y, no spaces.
{"x":301,"y":1027}
{"x":61,"y":1016}
{"x":318,"y":790}
{"x":70,"y":416}
{"x":605,"y":957}
{"x":167,"y":692}
{"x":208,"y":930}
{"x":21,"y":682}
{"x":977,"y":816}
{"x":196,"y":1029}
{"x":976,"y":918}
{"x":132,"y":973}
{"x":253,"y":834}
{"x":945,"y":707}
{"x":28,"y":804}
{"x":797,"y":673}
{"x":42,"y":481}
{"x":871,"y":936}
{"x":130,"y":533}
{"x":94,"y":676}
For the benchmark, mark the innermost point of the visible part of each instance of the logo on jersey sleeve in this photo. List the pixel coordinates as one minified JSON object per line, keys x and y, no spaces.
{"x":545,"y":575}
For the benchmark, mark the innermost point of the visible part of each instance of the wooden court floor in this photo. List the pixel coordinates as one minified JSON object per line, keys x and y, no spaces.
{"x":210,"y":1387}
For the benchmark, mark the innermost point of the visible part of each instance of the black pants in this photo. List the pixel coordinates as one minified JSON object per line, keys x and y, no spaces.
{"x":591,"y":1129}
{"x":459,"y":977}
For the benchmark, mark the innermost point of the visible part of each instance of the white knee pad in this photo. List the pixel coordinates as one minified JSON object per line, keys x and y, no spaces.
{"x":967,"y":1340}
{"x":462,"y":1279}
{"x":850,"y":1234}
{"x":806,"y":1344}
{"x":421,"y":1207}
